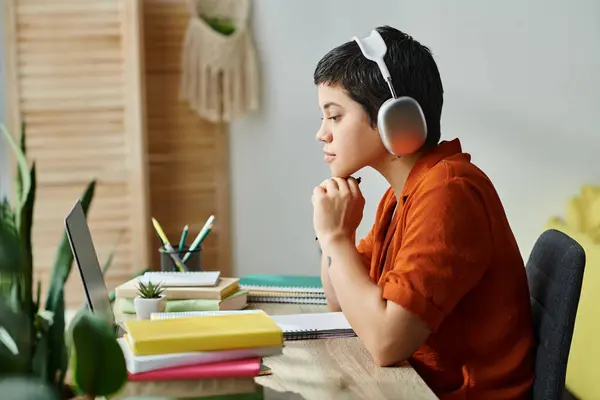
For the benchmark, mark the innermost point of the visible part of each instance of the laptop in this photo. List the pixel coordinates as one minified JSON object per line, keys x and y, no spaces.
{"x":84,"y":252}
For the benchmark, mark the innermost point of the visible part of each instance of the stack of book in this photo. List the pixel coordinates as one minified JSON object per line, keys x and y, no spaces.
{"x":283,"y":289}
{"x":219,"y":354}
{"x":183,"y":293}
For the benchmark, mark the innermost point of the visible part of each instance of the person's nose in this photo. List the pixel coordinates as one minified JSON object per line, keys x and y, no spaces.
{"x":324,"y":134}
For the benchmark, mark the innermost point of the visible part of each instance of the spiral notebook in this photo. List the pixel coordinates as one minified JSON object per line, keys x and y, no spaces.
{"x":294,"y":326}
{"x":314,"y":326}
{"x":254,"y":298}
{"x":282,"y":283}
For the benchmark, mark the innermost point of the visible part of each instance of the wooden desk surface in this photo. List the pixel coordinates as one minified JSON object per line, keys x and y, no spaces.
{"x":321,"y":369}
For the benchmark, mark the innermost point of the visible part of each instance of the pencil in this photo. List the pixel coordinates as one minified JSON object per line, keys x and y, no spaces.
{"x":182,"y":240}
{"x":170,"y":250}
{"x":201,"y":235}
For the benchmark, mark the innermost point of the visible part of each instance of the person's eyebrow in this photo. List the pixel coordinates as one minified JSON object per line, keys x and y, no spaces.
{"x":331,"y":103}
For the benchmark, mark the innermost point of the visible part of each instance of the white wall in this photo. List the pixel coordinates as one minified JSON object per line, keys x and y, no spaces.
{"x":521,"y":79}
{"x":521,"y":91}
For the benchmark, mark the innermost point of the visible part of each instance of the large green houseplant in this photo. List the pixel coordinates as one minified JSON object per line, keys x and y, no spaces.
{"x":35,"y":350}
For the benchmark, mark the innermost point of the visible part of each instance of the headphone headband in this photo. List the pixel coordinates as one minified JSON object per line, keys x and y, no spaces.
{"x":374,"y":48}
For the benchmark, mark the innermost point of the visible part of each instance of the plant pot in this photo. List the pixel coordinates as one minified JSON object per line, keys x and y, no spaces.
{"x":145,"y":307}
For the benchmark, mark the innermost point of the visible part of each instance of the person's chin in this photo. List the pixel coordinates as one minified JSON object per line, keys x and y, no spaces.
{"x":341,"y":172}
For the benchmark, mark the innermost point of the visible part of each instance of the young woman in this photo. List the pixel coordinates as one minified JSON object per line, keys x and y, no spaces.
{"x":439,"y":280}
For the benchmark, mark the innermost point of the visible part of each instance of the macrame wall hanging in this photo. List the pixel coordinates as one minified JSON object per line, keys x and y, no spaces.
{"x":219,"y":77}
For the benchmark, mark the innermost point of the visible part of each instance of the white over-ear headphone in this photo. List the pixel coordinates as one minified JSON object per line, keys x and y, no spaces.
{"x":400,"y":120}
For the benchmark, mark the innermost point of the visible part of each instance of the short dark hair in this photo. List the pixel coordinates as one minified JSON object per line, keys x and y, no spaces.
{"x":412,"y":68}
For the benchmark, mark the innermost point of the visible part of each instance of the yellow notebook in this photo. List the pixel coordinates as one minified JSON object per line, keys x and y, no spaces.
{"x":221,"y":332}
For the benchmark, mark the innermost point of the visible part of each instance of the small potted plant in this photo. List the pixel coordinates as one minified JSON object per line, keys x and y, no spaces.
{"x":150,"y":300}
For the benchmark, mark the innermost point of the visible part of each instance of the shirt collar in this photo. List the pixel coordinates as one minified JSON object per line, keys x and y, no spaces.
{"x":430,"y":158}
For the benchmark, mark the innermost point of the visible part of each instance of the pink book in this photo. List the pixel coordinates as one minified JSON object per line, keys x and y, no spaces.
{"x":226,"y":369}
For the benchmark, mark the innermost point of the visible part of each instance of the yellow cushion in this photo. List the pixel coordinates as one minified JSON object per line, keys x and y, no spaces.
{"x":583,"y":224}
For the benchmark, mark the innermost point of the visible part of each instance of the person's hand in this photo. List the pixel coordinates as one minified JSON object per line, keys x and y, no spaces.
{"x":338,"y":209}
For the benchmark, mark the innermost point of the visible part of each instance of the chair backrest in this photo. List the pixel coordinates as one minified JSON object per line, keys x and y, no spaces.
{"x":555,"y":274}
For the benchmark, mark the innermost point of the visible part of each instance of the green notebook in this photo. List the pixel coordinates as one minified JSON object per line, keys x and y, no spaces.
{"x":126,"y":305}
{"x":284,"y":283}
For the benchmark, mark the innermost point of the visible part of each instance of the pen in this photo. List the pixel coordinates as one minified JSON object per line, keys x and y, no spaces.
{"x":201,"y":235}
{"x":358,"y":181}
{"x":182,"y":240}
{"x":163,"y":238}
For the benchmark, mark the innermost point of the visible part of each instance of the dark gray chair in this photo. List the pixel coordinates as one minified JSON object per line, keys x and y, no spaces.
{"x":555,"y":274}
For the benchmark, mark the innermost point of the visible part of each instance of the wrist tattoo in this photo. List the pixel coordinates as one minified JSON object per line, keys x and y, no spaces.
{"x":328,"y":261}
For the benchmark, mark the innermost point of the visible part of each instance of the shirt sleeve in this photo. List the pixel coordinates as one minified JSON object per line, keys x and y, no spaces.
{"x":445,"y":251}
{"x":365,"y":248}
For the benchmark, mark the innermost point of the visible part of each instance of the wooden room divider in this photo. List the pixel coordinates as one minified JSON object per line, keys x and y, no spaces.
{"x":96,"y":84}
{"x":188,"y":156}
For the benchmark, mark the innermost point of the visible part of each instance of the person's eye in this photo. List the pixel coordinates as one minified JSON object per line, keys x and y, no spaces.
{"x":334,"y":118}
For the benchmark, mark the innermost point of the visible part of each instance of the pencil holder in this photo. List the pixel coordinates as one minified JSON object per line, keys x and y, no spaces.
{"x":193,"y":263}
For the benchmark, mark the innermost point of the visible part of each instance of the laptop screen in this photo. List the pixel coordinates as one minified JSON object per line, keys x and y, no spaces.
{"x":86,"y":259}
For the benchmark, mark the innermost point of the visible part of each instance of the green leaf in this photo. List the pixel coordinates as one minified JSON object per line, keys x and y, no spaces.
{"x":57,"y":360}
{"x":6,"y":212}
{"x":12,"y":257}
{"x":38,"y":298}
{"x":8,"y":341}
{"x":97,"y":359}
{"x":150,"y":291}
{"x":23,"y":168}
{"x":109,"y":261}
{"x":25,"y":230}
{"x":40,"y":358}
{"x":26,"y":388}
{"x":43,"y":321}
{"x":111,"y":256}
{"x":12,"y":260}
{"x":19,"y":180}
{"x":64,"y":257}
{"x":18,"y":326}
{"x":6,"y":286}
{"x":222,"y":25}
{"x":15,"y":288}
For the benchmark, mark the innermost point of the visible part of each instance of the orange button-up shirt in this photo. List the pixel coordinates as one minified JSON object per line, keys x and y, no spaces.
{"x":449,"y":256}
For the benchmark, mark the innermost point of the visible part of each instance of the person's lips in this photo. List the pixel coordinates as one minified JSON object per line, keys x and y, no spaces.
{"x":329,"y":157}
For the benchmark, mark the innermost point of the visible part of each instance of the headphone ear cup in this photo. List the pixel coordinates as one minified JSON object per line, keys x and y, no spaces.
{"x":402,"y":126}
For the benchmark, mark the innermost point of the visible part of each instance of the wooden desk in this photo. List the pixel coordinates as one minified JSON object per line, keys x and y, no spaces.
{"x":320,"y":370}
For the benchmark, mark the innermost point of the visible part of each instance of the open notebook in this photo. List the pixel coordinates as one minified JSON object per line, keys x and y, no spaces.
{"x":294,"y":326}
{"x":313,"y":326}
